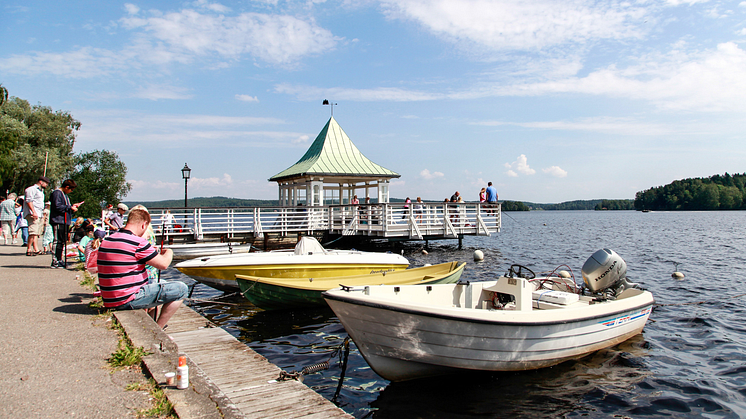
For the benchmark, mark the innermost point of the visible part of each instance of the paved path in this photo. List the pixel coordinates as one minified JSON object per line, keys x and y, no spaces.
{"x":53,"y":348}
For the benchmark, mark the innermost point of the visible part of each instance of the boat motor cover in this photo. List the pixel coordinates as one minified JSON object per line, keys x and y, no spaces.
{"x":309,"y":245}
{"x":604,"y":269}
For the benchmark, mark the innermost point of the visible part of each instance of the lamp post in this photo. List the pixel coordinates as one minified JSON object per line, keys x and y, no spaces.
{"x":185,"y":173}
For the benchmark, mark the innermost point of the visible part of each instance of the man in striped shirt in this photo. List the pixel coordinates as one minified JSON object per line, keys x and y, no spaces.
{"x":123,"y":278}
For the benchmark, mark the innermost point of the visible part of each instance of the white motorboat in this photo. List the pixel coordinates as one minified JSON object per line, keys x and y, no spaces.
{"x":193,"y":250}
{"x":308,"y":260}
{"x":518,"y":322}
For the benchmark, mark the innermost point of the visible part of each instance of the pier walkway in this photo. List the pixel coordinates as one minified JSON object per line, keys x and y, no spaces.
{"x":392,"y":221}
{"x":54,"y":347}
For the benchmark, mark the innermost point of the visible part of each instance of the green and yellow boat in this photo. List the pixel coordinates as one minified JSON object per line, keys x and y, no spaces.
{"x":284,"y":293}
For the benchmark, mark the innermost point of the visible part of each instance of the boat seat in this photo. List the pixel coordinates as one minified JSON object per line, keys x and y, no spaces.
{"x":556,"y":297}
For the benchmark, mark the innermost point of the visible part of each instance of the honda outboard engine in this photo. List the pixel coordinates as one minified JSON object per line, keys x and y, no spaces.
{"x":604,"y":270}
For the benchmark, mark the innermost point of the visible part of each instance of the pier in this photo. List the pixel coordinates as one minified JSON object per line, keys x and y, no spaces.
{"x":389,"y":221}
{"x":55,"y":347}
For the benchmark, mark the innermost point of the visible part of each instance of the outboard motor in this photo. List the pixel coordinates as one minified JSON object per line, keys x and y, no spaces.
{"x":604,"y":270}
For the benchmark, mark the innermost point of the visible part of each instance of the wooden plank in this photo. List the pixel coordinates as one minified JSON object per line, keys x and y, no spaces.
{"x":244,"y":376}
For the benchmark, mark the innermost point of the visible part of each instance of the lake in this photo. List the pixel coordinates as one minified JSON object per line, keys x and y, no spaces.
{"x":689,"y":361}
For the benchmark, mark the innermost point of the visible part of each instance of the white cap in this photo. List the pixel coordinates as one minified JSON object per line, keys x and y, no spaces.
{"x":122,"y":207}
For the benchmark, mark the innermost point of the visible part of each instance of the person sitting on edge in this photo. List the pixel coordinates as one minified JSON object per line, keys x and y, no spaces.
{"x":122,"y":276}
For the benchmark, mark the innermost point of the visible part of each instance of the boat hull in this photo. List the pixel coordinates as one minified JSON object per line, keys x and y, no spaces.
{"x":287,"y":293}
{"x":403,"y":342}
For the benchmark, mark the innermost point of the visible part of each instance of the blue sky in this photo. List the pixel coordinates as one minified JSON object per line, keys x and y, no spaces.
{"x":550,"y":100}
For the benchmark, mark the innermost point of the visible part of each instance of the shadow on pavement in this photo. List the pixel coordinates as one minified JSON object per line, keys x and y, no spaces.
{"x":77,"y":305}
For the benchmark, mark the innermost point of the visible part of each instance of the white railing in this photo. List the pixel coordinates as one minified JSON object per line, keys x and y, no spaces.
{"x":411,"y":220}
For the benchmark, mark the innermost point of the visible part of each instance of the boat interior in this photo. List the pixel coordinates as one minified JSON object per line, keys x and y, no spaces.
{"x":509,"y":292}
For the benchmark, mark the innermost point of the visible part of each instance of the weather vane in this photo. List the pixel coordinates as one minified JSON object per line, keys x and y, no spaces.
{"x":326,"y":102}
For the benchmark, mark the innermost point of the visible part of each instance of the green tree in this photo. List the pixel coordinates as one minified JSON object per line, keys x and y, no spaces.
{"x":101,"y":179}
{"x":32,"y":138}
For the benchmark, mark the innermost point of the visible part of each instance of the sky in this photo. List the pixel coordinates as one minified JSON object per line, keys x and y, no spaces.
{"x":551,"y":101}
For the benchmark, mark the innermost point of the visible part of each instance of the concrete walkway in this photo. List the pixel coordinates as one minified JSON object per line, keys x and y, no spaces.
{"x":53,"y":347}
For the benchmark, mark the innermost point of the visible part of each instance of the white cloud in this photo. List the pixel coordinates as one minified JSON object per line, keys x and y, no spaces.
{"x":183,"y":37}
{"x":156,"y":92}
{"x":380,"y":94}
{"x":247,"y":98}
{"x":710,"y":80}
{"x":555,"y":171}
{"x":276,"y":39}
{"x":527,"y":25}
{"x":425,"y":174}
{"x":604,"y":125}
{"x":205,"y":184}
{"x":520,"y":166}
{"x":511,"y":173}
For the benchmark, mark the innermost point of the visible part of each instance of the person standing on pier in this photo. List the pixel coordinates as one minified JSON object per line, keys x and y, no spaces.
{"x":491,"y":197}
{"x":122,"y":276}
{"x":8,"y":217}
{"x":61,"y":212}
{"x":33,"y":212}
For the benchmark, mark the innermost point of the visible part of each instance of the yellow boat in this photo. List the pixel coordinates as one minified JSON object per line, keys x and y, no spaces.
{"x":275,"y":293}
{"x":308,"y":259}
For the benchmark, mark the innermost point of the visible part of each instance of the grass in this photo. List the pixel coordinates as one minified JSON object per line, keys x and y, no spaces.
{"x":162,"y":408}
{"x":127,"y":355}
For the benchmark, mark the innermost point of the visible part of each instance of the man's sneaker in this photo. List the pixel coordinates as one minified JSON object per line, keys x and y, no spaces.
{"x":54,"y":264}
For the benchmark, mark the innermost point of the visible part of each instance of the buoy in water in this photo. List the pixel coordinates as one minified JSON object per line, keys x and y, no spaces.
{"x":677,"y":275}
{"x":424,"y":252}
{"x":478,"y":255}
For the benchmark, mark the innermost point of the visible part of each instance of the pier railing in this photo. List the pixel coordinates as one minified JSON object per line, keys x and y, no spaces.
{"x":416,"y":221}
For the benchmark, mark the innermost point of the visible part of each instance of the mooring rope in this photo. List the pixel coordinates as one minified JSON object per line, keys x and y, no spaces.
{"x":314,"y":368}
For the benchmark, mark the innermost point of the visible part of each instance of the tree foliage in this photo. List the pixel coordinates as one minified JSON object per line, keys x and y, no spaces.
{"x":718,"y":192}
{"x":101,"y":179}
{"x":514,"y":206}
{"x":30,"y":137}
{"x":615,"y":204}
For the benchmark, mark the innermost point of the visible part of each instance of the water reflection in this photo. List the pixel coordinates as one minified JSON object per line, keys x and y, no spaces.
{"x":688,"y":362}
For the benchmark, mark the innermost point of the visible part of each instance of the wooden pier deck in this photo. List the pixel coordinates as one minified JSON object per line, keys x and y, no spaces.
{"x":240,"y":381}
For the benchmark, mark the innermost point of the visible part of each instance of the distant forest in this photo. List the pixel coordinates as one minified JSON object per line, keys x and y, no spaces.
{"x":223,"y":202}
{"x":717,"y":192}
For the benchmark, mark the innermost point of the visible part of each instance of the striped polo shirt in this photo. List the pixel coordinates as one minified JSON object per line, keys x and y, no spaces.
{"x":121,"y":266}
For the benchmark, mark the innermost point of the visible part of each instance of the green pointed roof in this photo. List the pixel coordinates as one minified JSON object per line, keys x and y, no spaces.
{"x":333,"y":154}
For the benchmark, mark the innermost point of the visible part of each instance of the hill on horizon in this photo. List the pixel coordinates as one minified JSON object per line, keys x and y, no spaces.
{"x":224,"y":202}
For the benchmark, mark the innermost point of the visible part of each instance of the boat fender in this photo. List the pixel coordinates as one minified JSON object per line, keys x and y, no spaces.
{"x":478,"y":256}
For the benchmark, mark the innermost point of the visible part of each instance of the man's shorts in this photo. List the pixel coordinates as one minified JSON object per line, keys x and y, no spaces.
{"x":35,"y":226}
{"x":152,"y":295}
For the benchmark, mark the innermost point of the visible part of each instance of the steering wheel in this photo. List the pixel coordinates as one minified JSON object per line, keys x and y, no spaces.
{"x":521,"y":272}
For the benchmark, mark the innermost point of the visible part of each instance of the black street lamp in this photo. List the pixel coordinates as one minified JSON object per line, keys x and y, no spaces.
{"x":185,"y":173}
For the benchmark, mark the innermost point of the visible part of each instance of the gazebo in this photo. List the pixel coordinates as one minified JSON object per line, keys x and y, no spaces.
{"x":332,"y":171}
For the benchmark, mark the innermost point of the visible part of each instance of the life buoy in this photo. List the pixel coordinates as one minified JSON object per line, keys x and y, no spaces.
{"x":177,"y":228}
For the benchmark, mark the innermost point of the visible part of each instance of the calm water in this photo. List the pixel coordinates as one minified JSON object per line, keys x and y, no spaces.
{"x":689,"y":362}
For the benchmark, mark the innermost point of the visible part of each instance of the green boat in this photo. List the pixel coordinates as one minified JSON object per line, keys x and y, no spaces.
{"x":284,"y":293}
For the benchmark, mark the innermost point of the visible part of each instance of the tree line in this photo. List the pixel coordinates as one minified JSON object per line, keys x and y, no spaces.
{"x":718,"y":192}
{"x":37,"y":140}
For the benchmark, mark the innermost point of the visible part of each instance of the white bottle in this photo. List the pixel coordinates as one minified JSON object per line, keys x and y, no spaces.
{"x":182,"y":374}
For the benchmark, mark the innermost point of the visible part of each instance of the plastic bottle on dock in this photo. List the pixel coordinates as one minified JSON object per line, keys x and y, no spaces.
{"x":182,"y":374}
